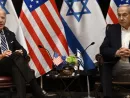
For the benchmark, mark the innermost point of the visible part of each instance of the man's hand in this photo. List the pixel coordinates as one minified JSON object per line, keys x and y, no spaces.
{"x":123,"y":52}
{"x":6,"y":53}
{"x":19,"y":51}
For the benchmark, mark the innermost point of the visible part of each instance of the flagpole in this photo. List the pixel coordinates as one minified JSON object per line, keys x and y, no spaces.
{"x":81,"y":62}
{"x":88,"y":88}
{"x":41,"y":80}
{"x":44,"y":92}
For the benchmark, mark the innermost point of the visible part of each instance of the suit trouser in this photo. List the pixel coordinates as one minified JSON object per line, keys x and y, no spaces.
{"x":18,"y":68}
{"x":106,"y":79}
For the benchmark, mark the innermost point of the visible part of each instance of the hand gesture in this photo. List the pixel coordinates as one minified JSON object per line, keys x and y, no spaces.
{"x":6,"y":53}
{"x":19,"y":51}
{"x":123,"y":52}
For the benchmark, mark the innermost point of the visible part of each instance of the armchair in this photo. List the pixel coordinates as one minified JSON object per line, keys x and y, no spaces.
{"x":100,"y":63}
{"x":118,"y":83}
{"x":6,"y":81}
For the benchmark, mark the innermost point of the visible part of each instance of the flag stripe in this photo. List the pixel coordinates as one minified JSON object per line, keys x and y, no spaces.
{"x":35,"y":60}
{"x":55,"y":28}
{"x":109,"y":19}
{"x":45,"y":32}
{"x":36,"y":28}
{"x":36,"y":39}
{"x":113,"y":6}
{"x":38,"y":54}
{"x":112,"y":15}
{"x":55,"y":17}
{"x":55,"y":7}
{"x":74,"y":43}
{"x":49,"y":30}
{"x":32,"y":66}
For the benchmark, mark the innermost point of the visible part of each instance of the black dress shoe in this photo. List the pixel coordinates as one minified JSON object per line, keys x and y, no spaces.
{"x":50,"y":94}
{"x":127,"y":96}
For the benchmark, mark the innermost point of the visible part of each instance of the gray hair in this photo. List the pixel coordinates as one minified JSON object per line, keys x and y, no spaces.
{"x":124,"y":5}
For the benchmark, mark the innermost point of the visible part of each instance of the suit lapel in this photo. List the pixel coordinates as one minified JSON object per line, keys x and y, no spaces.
{"x":118,"y":34}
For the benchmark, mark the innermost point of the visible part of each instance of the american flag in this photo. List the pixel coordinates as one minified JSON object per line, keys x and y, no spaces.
{"x":57,"y":60}
{"x":112,"y":11}
{"x":41,"y":24}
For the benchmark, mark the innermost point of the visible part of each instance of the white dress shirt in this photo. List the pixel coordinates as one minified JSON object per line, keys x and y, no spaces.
{"x":123,"y":66}
{"x":125,"y":38}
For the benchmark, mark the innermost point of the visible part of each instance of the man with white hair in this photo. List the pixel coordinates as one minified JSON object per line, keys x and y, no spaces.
{"x":115,"y":50}
{"x":13,"y":61}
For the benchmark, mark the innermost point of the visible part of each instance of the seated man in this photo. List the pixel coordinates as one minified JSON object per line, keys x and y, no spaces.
{"x":13,"y":61}
{"x":116,"y":49}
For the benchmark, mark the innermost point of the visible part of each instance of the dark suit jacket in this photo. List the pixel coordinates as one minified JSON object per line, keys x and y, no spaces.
{"x":111,"y":43}
{"x":12,"y":42}
{"x":19,"y":60}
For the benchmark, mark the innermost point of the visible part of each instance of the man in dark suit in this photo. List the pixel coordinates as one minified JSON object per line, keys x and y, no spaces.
{"x":13,"y":61}
{"x":115,"y":49}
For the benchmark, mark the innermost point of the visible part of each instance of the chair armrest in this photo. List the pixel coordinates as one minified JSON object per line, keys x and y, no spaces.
{"x":99,"y":59}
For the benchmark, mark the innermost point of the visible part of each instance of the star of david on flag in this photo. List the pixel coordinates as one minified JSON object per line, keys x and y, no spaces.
{"x":75,"y":11}
{"x":2,"y":4}
{"x":84,"y":24}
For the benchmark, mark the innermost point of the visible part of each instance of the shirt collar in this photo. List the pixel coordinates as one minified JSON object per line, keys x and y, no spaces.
{"x":124,"y":29}
{"x":2,"y":31}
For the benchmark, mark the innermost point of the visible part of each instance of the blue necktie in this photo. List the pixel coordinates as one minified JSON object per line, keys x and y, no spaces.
{"x":3,"y":42}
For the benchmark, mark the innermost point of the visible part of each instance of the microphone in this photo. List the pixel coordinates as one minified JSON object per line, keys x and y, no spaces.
{"x":40,"y":46}
{"x":52,"y":72}
{"x":87,"y":48}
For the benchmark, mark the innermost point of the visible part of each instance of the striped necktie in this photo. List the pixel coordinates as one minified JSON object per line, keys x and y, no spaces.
{"x":3,"y":42}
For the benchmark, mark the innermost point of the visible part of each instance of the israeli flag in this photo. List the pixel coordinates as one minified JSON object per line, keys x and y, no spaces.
{"x":84,"y":23}
{"x":80,"y":60}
